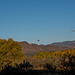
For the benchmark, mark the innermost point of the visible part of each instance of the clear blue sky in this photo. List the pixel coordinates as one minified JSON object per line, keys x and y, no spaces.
{"x":31,"y":20}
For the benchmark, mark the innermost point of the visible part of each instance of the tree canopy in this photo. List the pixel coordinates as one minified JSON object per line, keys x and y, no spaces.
{"x":10,"y":52}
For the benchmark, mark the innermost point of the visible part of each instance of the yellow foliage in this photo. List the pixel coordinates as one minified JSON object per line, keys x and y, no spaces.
{"x":58,"y":53}
{"x":10,"y":51}
{"x":43,"y":54}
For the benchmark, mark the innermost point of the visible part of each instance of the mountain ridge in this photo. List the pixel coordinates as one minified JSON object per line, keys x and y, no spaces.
{"x":64,"y":43}
{"x":32,"y":49}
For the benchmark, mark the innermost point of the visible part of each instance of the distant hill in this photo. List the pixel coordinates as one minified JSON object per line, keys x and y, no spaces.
{"x":54,"y":48}
{"x":65,"y":43}
{"x":32,"y":49}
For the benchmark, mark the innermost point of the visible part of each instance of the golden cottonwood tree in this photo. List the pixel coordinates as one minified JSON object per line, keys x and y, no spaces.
{"x":10,"y":52}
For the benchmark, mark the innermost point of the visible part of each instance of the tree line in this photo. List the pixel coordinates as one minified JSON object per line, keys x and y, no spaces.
{"x":57,"y":61}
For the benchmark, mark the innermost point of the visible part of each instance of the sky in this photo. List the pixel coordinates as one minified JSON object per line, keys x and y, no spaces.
{"x":31,"y":20}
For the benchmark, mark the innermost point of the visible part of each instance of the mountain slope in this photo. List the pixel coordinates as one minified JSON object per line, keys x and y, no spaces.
{"x":30,"y":49}
{"x":54,"y":48}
